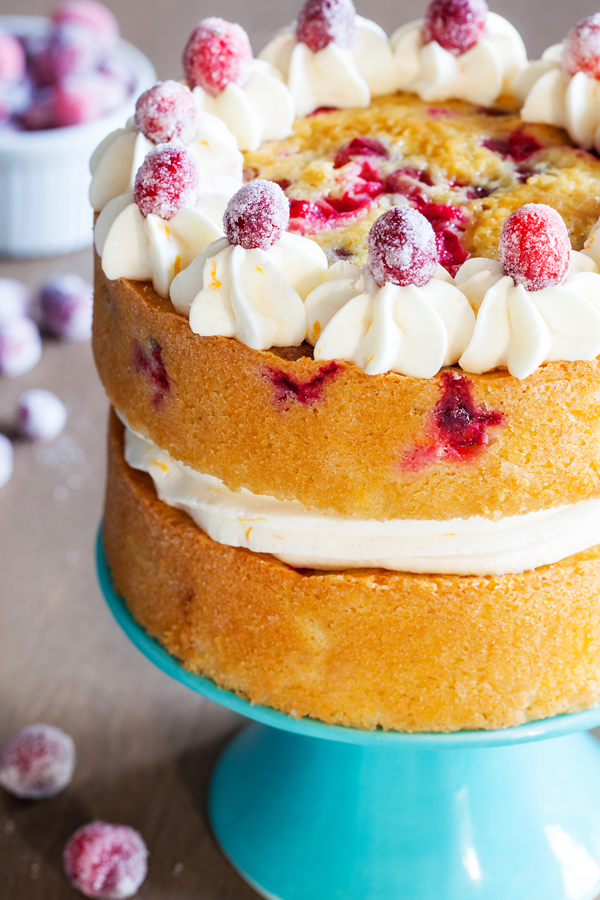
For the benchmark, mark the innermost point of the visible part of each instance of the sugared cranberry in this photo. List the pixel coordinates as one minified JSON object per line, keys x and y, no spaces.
{"x":359,"y":146}
{"x":65,"y":303}
{"x":402,"y":248}
{"x":257,"y":215}
{"x":15,"y":299}
{"x":93,"y":15}
{"x":166,"y":112}
{"x":581,"y":49}
{"x":6,"y":460}
{"x":104,"y":861}
{"x":20,"y":347}
{"x":40,"y":415}
{"x":535,"y":247}
{"x":218,"y":53}
{"x":12,"y":58}
{"x":77,"y":100}
{"x":167,"y":180}
{"x":323,"y":22}
{"x":457,"y":25}
{"x":71,"y":49}
{"x":37,"y":762}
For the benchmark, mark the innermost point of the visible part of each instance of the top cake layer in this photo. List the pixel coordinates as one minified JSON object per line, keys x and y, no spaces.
{"x":482,"y":163}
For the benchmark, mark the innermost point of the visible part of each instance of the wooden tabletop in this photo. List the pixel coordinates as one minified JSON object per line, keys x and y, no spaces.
{"x":145,"y":744}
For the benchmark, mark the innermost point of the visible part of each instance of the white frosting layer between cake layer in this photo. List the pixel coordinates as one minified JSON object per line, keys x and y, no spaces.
{"x":307,"y":538}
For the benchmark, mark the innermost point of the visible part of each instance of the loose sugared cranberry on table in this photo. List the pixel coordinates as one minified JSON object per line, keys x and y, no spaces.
{"x":41,"y":416}
{"x":15,"y":299}
{"x":535,"y":247}
{"x":93,"y":15}
{"x":324,"y":22}
{"x":218,"y":53}
{"x":6,"y":460}
{"x":456,"y":25}
{"x":65,"y":303}
{"x":20,"y":346}
{"x":581,"y":49}
{"x":167,"y":180}
{"x":257,"y":215}
{"x":12,"y":58}
{"x":402,"y":248}
{"x":37,"y":762}
{"x":166,"y":112}
{"x":104,"y":861}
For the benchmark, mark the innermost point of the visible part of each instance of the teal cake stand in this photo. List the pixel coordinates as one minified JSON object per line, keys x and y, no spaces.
{"x":308,"y":811}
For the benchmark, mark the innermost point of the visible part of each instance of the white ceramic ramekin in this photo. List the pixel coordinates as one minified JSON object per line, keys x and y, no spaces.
{"x":44,"y":175}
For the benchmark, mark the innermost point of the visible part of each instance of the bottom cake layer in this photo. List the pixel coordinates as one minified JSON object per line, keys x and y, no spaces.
{"x":364,"y":647}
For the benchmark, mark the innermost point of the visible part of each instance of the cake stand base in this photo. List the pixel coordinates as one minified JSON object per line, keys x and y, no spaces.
{"x":309,"y":811}
{"x":307,"y":819}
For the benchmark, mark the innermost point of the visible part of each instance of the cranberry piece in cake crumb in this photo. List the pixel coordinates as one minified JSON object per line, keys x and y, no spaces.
{"x":166,"y":112}
{"x":323,"y":22}
{"x":153,"y":366}
{"x":402,"y":248}
{"x":289,"y":389}
{"x":257,"y":215}
{"x":167,"y":180}
{"x":359,"y":146}
{"x":517,"y":146}
{"x":457,"y":25}
{"x":104,"y":861}
{"x":581,"y":49}
{"x":218,"y":53}
{"x":535,"y":247}
{"x":458,"y":430}
{"x":37,"y":762}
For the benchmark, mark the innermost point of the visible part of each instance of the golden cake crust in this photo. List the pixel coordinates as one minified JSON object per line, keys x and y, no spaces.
{"x":366,"y":648}
{"x":335,"y":438}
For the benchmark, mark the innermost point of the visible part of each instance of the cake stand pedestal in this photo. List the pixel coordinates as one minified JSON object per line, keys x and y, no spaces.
{"x":309,"y":811}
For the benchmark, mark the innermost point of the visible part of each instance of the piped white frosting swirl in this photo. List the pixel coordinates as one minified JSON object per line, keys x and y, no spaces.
{"x":552,"y":97}
{"x":522,"y":329}
{"x":156,"y":250}
{"x":256,"y":296}
{"x":480,"y":75}
{"x":334,"y":76}
{"x":115,"y":162}
{"x":262,"y":110}
{"x":308,"y":538}
{"x":409,"y":330}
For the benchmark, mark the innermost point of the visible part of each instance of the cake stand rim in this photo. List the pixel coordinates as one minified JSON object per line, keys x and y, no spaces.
{"x":541,"y":729}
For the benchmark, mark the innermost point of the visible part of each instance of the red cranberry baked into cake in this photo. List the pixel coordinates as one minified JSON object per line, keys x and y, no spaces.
{"x":347,"y":313}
